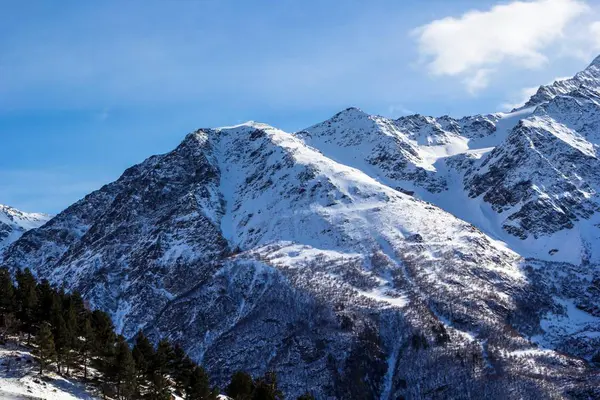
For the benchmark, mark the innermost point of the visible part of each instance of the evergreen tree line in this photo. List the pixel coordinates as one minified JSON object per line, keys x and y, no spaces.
{"x":70,"y":337}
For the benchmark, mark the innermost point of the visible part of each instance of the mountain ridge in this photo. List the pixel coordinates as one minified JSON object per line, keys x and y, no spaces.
{"x":589,"y":76}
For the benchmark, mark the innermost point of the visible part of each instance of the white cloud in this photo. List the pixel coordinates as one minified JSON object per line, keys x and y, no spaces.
{"x":594,"y":31}
{"x":396,"y":110}
{"x":474,"y":43}
{"x":478,"y":81}
{"x":522,"y":98}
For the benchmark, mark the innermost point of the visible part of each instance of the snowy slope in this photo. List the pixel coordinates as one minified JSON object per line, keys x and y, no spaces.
{"x":23,"y":382}
{"x":527,"y":178}
{"x":13,"y":223}
{"x":443,"y":152}
{"x":542,"y":181}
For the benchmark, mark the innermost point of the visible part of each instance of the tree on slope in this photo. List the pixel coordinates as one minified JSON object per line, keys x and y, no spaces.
{"x":61,"y":336}
{"x":241,"y":386}
{"x":182,"y":368}
{"x":199,"y":386}
{"x":27,"y":301}
{"x":86,"y":345}
{"x":45,"y":350}
{"x":160,"y":369}
{"x":72,"y":324}
{"x":8,"y":302}
{"x":266,"y":388}
{"x":123,"y":370}
{"x":46,"y":301}
{"x":104,"y":340}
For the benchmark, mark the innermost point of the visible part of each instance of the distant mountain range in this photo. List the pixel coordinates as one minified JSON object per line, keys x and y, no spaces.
{"x":362,"y":257}
{"x":13,"y":223}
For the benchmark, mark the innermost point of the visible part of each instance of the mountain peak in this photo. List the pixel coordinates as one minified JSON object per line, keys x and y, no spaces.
{"x":245,"y":128}
{"x":595,"y":62}
{"x":247,"y":124}
{"x":589,"y":77}
{"x":351,"y":113}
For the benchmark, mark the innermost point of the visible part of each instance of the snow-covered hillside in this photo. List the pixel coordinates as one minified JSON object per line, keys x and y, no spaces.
{"x":13,"y":223}
{"x":466,"y":249}
{"x":19,"y":379}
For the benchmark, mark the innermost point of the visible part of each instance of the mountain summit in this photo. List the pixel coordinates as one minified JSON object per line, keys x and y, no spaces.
{"x":588,"y":77}
{"x":361,"y":257}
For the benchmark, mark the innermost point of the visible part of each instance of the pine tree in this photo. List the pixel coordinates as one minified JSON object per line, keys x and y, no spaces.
{"x":46,"y":298}
{"x":267,"y":388}
{"x":61,"y":340}
{"x":159,"y":387}
{"x":164,"y":356}
{"x":86,"y":345}
{"x":45,"y":350}
{"x":60,"y":331}
{"x":8,"y":302}
{"x":76,"y":301}
{"x":241,"y":386}
{"x":27,"y":301}
{"x":72,"y":331}
{"x":124,"y":370}
{"x":198,"y":387}
{"x":143,"y":354}
{"x":104,"y":340}
{"x":181,"y":367}
{"x":160,"y":368}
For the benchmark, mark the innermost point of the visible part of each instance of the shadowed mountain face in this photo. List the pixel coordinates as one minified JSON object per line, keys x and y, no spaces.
{"x":362,"y":257}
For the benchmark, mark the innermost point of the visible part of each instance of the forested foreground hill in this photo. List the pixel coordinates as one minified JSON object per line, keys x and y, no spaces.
{"x":53,"y":346}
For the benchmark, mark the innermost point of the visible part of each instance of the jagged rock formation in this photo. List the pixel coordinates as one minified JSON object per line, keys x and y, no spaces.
{"x":588,"y":77}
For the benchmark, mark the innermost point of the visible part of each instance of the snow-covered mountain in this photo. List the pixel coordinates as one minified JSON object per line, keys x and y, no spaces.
{"x":13,"y":223}
{"x":527,"y":178}
{"x":362,"y":257}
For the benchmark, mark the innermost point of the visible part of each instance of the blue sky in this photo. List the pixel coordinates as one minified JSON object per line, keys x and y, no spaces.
{"x":89,"y":88}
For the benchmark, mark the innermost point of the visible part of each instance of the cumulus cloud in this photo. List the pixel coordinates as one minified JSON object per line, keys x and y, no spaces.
{"x":478,"y":80}
{"x":476,"y":42}
{"x":397,"y":110}
{"x":594,"y":31}
{"x":522,"y":97}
